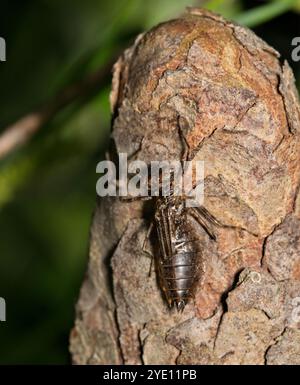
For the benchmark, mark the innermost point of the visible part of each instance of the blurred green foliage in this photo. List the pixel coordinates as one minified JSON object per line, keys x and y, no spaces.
{"x":47,"y":188}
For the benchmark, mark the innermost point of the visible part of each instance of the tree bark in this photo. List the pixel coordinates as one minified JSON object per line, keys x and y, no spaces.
{"x":242,"y":117}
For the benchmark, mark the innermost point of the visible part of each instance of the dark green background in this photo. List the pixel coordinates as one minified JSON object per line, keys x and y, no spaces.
{"x":47,"y":187}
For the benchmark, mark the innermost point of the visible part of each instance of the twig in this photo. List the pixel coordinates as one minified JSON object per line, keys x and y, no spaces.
{"x":21,"y":131}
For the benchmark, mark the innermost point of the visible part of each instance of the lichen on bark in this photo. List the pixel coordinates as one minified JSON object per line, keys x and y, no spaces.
{"x":242,"y":118}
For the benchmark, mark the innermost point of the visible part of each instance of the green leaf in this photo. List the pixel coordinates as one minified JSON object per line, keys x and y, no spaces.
{"x":264,"y":13}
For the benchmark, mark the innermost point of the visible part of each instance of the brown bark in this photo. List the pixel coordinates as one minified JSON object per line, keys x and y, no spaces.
{"x":243,"y":120}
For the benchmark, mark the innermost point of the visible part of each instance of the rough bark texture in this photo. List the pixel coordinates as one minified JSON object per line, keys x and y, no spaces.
{"x":242,"y":118}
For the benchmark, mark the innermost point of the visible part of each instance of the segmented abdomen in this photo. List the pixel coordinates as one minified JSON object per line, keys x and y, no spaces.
{"x":178,"y":260}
